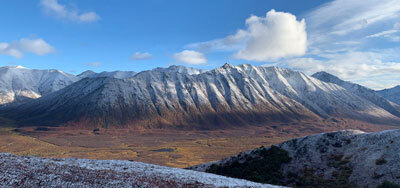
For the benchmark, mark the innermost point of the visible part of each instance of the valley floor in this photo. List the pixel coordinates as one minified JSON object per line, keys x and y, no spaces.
{"x":163,"y":147}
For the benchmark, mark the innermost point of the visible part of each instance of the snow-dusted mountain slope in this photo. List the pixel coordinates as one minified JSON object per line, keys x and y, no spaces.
{"x":113,"y":74}
{"x":19,"y":171}
{"x":348,"y":158}
{"x":361,"y":91}
{"x":18,"y":83}
{"x":229,"y":95}
{"x":180,"y":69}
{"x":392,"y":94}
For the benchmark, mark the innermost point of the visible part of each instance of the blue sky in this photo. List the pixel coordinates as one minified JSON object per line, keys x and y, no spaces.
{"x":356,"y":40}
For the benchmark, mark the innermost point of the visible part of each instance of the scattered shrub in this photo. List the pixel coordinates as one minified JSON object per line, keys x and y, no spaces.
{"x":265,"y":167}
{"x":380,"y":161}
{"x":387,"y":184}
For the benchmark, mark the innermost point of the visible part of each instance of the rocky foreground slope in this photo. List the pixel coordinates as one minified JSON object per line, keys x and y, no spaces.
{"x":17,"y":171}
{"x":348,"y":158}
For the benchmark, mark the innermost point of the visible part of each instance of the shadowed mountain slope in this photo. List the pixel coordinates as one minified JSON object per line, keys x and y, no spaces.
{"x":227,"y":96}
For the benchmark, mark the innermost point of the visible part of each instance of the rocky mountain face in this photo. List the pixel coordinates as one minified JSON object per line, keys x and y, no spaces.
{"x":185,"y":98}
{"x":392,"y":94}
{"x":113,"y":74}
{"x":20,"y":171}
{"x":348,"y":158}
{"x":18,"y":83}
{"x":361,"y":91}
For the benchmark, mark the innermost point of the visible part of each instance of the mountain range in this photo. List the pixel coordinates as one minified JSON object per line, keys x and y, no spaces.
{"x":181,"y":97}
{"x":18,"y":83}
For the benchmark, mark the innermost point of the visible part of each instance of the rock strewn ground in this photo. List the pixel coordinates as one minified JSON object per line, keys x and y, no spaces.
{"x":19,"y":171}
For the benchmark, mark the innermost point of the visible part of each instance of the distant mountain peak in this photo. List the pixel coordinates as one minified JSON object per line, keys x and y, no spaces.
{"x":20,"y":67}
{"x":228,"y":65}
{"x":15,"y":67}
{"x":391,"y":94}
{"x":326,"y":75}
{"x":179,"y":69}
{"x":361,"y":91}
{"x":86,"y":74}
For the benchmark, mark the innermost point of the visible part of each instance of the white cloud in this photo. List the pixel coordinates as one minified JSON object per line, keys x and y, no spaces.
{"x":93,"y":64}
{"x":344,"y":20}
{"x":190,"y":57}
{"x":53,"y":7}
{"x":6,"y":49}
{"x":345,"y":16}
{"x":229,"y":43}
{"x":274,"y":36}
{"x":36,"y":46}
{"x":18,"y":48}
{"x":340,"y":42}
{"x":383,"y":33}
{"x":389,"y":34}
{"x":396,"y":25}
{"x":365,"y":68}
{"x":141,"y":56}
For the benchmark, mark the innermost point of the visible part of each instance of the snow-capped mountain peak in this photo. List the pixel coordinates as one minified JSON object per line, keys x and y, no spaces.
{"x":20,"y":83}
{"x":245,"y":94}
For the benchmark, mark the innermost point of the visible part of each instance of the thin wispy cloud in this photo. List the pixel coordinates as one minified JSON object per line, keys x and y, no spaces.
{"x":141,"y":56}
{"x":93,"y":64}
{"x":350,"y":20}
{"x":54,"y":8}
{"x":26,"y":45}
{"x":383,"y":33}
{"x":190,"y":57}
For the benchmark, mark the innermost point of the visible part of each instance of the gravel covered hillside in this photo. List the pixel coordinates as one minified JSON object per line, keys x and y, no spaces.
{"x":347,"y":158}
{"x":16,"y":171}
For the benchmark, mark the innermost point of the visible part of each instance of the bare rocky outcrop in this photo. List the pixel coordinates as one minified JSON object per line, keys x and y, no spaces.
{"x":348,"y":158}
